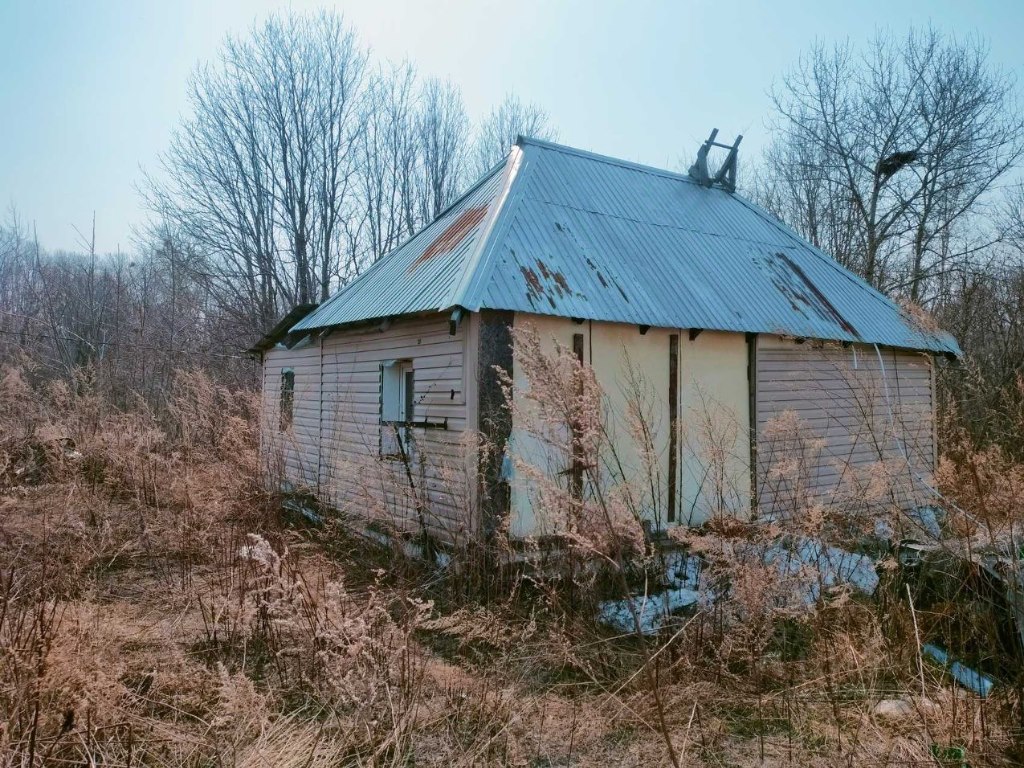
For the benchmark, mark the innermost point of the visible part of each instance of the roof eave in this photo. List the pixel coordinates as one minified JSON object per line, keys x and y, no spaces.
{"x":282,"y":328}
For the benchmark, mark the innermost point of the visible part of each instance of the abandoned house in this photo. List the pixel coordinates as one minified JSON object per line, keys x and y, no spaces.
{"x":740,"y":327}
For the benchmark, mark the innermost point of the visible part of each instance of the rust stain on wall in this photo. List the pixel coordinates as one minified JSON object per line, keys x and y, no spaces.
{"x":452,"y":236}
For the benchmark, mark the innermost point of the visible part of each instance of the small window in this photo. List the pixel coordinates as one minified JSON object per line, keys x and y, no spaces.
{"x":287,"y":398}
{"x":398,"y":389}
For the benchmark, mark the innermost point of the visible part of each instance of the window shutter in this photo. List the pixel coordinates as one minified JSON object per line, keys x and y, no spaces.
{"x":389,"y":378}
{"x":410,"y":394}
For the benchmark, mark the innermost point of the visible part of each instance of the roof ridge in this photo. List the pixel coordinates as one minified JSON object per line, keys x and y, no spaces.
{"x":609,"y":159}
{"x":659,"y":224}
{"x":477,"y":258}
{"x":476,"y":185}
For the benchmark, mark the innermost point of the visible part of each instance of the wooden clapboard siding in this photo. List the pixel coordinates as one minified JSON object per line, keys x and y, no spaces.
{"x":353,"y":476}
{"x":855,"y":415}
{"x":294,"y":454}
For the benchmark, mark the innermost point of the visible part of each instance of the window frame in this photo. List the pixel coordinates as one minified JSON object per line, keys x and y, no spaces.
{"x":286,"y":400}
{"x":400,"y":405}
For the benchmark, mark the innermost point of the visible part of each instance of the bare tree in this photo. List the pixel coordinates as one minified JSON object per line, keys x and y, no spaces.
{"x":1012,"y":217}
{"x":123,"y":322}
{"x":443,"y":132}
{"x":261,"y":176}
{"x":891,"y":151}
{"x":388,"y":160}
{"x":219,"y":193}
{"x":412,"y":156}
{"x":500,"y":129}
{"x":790,"y":184}
{"x":300,"y":164}
{"x":311,"y":72}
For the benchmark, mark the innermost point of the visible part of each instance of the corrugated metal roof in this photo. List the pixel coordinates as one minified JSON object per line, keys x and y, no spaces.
{"x":421,"y":274}
{"x":575,"y":234}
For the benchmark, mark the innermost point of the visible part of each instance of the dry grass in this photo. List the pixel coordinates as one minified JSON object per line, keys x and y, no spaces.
{"x":154,"y":610}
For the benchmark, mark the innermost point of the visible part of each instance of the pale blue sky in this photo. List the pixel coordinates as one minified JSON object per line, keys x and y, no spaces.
{"x":89,"y":91}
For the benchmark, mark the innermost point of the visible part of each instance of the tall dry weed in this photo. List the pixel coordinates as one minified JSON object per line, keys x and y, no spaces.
{"x":155,"y":611}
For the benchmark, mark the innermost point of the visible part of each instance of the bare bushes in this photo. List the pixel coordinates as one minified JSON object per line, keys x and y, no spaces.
{"x":314,"y":643}
{"x":804,"y":592}
{"x":152,"y":613}
{"x":581,"y":489}
{"x":203,"y":443}
{"x":89,"y":492}
{"x":984,"y":478}
{"x":80,"y":432}
{"x":142,"y":623}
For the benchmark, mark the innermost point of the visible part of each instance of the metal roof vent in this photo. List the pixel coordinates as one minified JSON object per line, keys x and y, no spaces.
{"x":725,"y":176}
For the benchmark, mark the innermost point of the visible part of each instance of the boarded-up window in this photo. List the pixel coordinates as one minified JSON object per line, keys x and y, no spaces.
{"x":287,"y":398}
{"x":398,"y":387}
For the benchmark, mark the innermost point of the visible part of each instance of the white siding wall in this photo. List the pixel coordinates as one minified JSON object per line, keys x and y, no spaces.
{"x":293,"y":454}
{"x":525,"y":447}
{"x":714,"y":421}
{"x":835,"y":423}
{"x":353,"y":477}
{"x":713,"y":440}
{"x":826,"y":407}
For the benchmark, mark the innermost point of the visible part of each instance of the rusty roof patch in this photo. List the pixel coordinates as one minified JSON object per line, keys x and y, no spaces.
{"x":803,"y":290}
{"x":452,"y":236}
{"x":534,"y":287}
{"x":596,"y":271}
{"x":532,"y":281}
{"x":622,"y":292}
{"x":562,"y":285}
{"x":539,"y":286}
